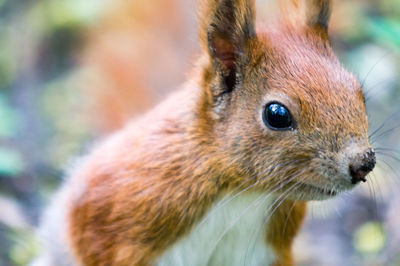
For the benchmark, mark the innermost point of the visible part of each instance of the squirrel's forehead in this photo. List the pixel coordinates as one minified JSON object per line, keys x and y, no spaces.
{"x":313,"y":79}
{"x":306,"y":69}
{"x":323,"y":90}
{"x":310,"y":70}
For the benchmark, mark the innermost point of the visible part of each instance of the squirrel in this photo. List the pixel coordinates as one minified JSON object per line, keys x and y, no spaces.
{"x":220,"y":172}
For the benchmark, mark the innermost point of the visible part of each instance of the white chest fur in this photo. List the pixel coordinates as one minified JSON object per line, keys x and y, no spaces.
{"x":231,"y":234}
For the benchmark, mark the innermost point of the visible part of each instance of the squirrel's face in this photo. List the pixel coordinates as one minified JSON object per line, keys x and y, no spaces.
{"x":298,"y":118}
{"x":289,"y":116}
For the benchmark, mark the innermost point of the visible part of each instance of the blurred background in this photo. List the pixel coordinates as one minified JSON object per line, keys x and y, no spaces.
{"x":72,"y":71}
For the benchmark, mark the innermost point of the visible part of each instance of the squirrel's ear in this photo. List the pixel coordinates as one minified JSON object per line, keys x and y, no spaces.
{"x":314,"y":13}
{"x":225,"y":28}
{"x":318,"y":13}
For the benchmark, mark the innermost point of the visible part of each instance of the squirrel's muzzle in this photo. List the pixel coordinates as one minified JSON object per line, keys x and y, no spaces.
{"x":362,"y":166}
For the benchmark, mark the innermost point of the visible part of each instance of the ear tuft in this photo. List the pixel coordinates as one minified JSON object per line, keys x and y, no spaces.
{"x":315,"y":14}
{"x":318,"y":13}
{"x":225,"y":29}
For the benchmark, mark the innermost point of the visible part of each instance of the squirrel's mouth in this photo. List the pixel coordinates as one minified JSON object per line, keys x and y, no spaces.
{"x":324,"y":191}
{"x":312,"y":192}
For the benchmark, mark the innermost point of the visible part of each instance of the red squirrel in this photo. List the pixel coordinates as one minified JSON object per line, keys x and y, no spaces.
{"x":220,"y":172}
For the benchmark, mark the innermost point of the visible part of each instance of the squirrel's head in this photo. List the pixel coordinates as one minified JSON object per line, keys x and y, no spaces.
{"x":285,"y":114}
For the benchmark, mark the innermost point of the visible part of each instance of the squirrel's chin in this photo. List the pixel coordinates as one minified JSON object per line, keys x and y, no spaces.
{"x":315,"y":196}
{"x":312,"y":192}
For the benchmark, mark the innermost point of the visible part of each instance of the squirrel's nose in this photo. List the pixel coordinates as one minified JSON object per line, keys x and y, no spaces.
{"x":362,"y":166}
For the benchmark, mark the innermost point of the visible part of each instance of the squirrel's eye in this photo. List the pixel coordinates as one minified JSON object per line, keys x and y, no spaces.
{"x":277,"y":117}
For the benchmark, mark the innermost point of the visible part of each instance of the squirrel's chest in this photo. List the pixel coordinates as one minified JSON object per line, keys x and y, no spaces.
{"x":231,"y":233}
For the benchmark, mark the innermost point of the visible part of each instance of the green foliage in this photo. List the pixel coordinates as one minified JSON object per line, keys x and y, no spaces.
{"x":11,"y":163}
{"x":8,"y":64}
{"x":386,"y":31}
{"x":26,"y":246}
{"x":9,"y":119}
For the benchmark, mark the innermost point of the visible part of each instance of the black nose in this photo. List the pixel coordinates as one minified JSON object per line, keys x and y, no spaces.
{"x":362,"y":166}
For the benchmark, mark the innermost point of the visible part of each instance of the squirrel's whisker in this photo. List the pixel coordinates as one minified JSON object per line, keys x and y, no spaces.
{"x":374,"y":66}
{"x":256,"y":202}
{"x":262,"y":198}
{"x":385,"y":133}
{"x":389,"y":155}
{"x":281,"y":198}
{"x":228,"y":198}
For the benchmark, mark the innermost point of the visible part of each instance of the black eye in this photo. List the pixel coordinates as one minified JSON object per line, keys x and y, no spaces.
{"x":277,"y":117}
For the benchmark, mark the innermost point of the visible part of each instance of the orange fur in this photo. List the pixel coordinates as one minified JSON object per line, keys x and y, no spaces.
{"x":283,"y":227}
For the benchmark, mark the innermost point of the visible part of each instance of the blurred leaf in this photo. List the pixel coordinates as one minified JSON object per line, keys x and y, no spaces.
{"x":370,"y":238}
{"x":9,"y":119}
{"x":385,"y":30}
{"x":26,"y":248}
{"x":51,"y":14}
{"x":12,"y":214}
{"x":390,"y":7}
{"x":10,"y":162}
{"x":8,"y":64}
{"x":64,"y":100}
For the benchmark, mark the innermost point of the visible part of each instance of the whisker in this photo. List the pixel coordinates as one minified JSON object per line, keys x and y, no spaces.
{"x":370,"y":89}
{"x":228,"y":199}
{"x":379,"y":128}
{"x":338,"y":213}
{"x":385,"y":133}
{"x":371,"y":187}
{"x":282,"y":197}
{"x":387,"y":154}
{"x":287,"y":218}
{"x":373,"y":136}
{"x":374,"y":66}
{"x":387,"y":149}
{"x":389,"y":167}
{"x":256,"y":202}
